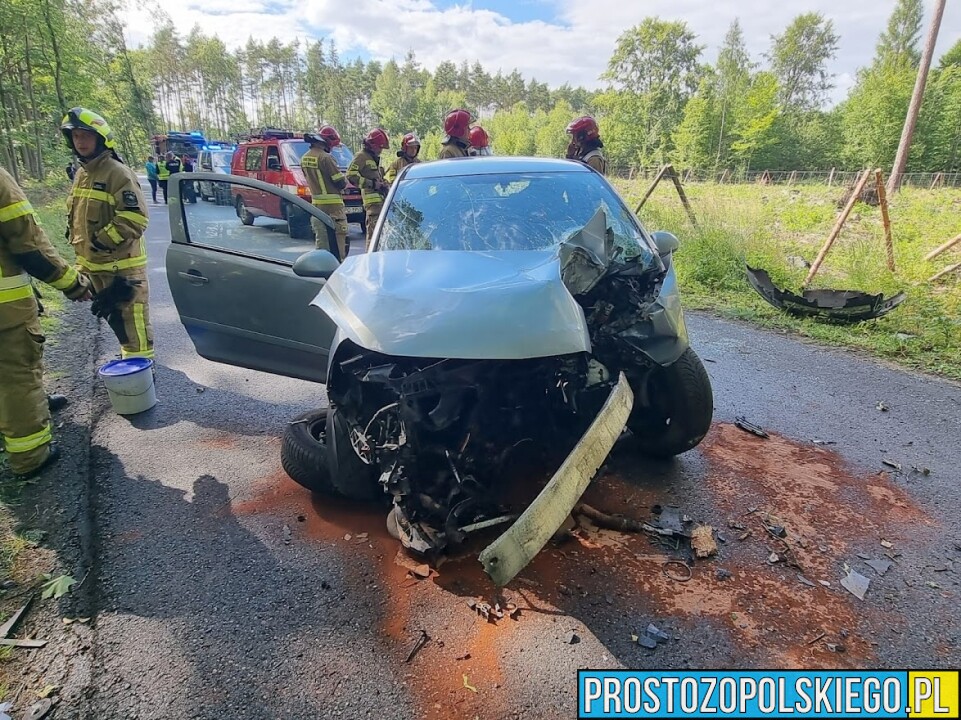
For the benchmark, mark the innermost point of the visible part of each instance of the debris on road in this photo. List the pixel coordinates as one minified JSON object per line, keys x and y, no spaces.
{"x":287,"y":534}
{"x":468,"y":685}
{"x":418,"y":645}
{"x":835,"y":647}
{"x":816,"y":441}
{"x":882,"y":407}
{"x":722,"y":574}
{"x":742,"y":422}
{"x":814,"y":640}
{"x":674,"y":575}
{"x":891,"y":464}
{"x":879,"y":566}
{"x":804,"y":581}
{"x":10,"y":625}
{"x":777,"y":531}
{"x":702,"y":541}
{"x":416,"y":569}
{"x":838,"y":305}
{"x":39,"y":710}
{"x":573,"y":638}
{"x":855,"y":583}
{"x":4,"y":709}
{"x":887,"y":544}
{"x":651,"y":637}
{"x":774,"y":558}
{"x":657,"y":634}
{"x":609,"y":522}
{"x":670,"y":522}
{"x":646,"y":641}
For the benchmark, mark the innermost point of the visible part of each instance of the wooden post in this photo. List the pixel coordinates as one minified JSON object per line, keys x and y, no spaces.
{"x":687,"y":176}
{"x":790,"y":180}
{"x":949,"y":269}
{"x":837,"y":227}
{"x":650,"y":190}
{"x":724,"y":176}
{"x":831,"y":178}
{"x":683,"y":196}
{"x":937,"y":181}
{"x":947,"y":246}
{"x":883,"y":199}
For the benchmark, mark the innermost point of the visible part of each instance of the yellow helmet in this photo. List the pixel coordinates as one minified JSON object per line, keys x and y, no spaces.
{"x":84,"y":119}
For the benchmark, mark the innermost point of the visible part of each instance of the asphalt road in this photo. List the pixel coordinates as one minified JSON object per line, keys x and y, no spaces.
{"x":225,"y":591}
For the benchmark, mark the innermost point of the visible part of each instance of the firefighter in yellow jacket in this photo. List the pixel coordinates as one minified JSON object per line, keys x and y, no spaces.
{"x":365,"y":172}
{"x":107,"y":217}
{"x":457,"y":135}
{"x":325,"y":181}
{"x":407,"y":155}
{"x":24,"y":251}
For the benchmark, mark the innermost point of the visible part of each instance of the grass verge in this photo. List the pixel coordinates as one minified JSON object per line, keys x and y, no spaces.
{"x":778,"y":228}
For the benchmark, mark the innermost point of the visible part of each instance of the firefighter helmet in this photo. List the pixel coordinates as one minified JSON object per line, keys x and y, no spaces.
{"x":325,"y":134}
{"x":79,"y":118}
{"x":377,"y":139}
{"x":584,"y":129}
{"x":456,"y":124}
{"x":479,"y":138}
{"x":408,"y":140}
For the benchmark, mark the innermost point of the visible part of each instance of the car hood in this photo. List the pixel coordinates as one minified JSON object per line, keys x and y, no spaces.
{"x":456,"y":304}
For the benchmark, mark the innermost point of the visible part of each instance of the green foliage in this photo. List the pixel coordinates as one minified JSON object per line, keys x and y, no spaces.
{"x":898,"y":44}
{"x":799,"y":59}
{"x":56,"y":587}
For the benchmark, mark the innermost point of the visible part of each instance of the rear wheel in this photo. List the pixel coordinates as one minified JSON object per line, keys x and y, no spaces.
{"x":243,"y":213}
{"x":679,"y":409}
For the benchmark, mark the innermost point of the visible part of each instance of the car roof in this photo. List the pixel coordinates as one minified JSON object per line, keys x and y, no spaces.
{"x":490,"y":165}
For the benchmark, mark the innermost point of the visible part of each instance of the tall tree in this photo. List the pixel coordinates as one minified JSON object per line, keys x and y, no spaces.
{"x":799,"y":59}
{"x":734,"y":68}
{"x":898,"y":44}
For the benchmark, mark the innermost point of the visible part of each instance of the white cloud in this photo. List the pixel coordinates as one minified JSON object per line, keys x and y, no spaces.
{"x":573,"y":48}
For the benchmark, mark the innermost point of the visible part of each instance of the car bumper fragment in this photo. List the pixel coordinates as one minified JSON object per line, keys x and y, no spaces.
{"x":513,"y":550}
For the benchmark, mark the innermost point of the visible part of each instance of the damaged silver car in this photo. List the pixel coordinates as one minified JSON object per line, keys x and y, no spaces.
{"x":502,"y":305}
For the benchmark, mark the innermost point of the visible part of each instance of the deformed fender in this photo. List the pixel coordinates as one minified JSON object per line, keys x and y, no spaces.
{"x":512,"y":551}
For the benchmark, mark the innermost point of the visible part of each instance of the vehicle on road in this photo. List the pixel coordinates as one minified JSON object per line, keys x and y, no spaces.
{"x":215,"y":159}
{"x":500,"y":303}
{"x":273,"y":156}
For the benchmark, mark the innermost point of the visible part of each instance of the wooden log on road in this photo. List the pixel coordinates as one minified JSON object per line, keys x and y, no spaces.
{"x":947,"y":246}
{"x":837,"y":227}
{"x":883,"y":200}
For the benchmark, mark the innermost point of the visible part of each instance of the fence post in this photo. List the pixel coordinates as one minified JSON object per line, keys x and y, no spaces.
{"x":883,"y":200}
{"x":837,"y":227}
{"x":831,"y":178}
{"x":681,"y":194}
{"x":650,"y":190}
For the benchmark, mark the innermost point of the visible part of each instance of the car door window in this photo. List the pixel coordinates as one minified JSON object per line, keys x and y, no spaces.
{"x":273,"y":158}
{"x":255,"y":156}
{"x":227,"y":225}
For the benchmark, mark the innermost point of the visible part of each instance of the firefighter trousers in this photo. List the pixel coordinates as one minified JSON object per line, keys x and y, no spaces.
{"x":338,"y":214}
{"x":131,"y":321}
{"x":24,"y":415}
{"x":373,"y":212}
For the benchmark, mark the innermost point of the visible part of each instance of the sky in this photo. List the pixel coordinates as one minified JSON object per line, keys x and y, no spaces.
{"x":554,"y":41}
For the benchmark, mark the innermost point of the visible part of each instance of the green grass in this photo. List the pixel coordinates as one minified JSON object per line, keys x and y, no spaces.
{"x":766,"y":226}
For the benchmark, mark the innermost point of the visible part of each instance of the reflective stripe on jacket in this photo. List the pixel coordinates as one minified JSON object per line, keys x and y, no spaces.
{"x":365,"y":172}
{"x":323,"y":177}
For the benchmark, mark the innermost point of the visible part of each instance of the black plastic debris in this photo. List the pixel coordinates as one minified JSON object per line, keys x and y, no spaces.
{"x":837,"y":305}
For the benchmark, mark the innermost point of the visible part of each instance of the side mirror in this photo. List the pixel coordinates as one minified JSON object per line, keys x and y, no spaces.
{"x":316,"y":263}
{"x":666,"y":242}
{"x":273,"y":164}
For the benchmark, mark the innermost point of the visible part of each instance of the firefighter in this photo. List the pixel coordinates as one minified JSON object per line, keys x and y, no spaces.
{"x":365,"y":172}
{"x":457,"y":135}
{"x":24,"y":407}
{"x":107,"y":217}
{"x":586,"y":143}
{"x":326,"y":181}
{"x":163,"y":174}
{"x":480,"y":143}
{"x":407,"y":155}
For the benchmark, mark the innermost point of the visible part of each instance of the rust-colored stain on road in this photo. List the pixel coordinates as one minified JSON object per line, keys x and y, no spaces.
{"x":600,"y":577}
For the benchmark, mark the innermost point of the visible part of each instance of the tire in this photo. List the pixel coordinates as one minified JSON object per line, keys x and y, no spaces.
{"x":680,"y":410}
{"x":298,"y":224}
{"x":349,"y":474}
{"x":243,"y":213}
{"x":303,"y":452}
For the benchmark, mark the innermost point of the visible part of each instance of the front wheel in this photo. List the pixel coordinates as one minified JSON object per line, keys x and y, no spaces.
{"x":679,"y":408}
{"x":304,"y":454}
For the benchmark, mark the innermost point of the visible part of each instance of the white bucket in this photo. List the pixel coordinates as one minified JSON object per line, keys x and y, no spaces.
{"x":129,"y":385}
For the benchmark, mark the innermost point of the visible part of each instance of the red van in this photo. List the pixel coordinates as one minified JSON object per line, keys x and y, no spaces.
{"x":273,"y":156}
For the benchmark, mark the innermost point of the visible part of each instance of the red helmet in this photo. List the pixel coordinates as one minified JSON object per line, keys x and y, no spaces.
{"x":326,"y":134}
{"x":479,"y":138}
{"x":456,"y":123}
{"x":377,"y":139}
{"x":409,"y":139}
{"x":584,"y":129}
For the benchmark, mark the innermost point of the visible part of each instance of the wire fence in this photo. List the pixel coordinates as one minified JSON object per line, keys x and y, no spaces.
{"x":829,"y":178}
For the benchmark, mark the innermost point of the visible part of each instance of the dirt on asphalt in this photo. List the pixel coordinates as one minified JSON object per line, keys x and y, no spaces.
{"x":769,"y":616}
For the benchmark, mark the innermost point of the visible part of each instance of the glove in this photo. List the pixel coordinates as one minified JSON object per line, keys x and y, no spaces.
{"x":380,"y":186}
{"x":81,"y":290}
{"x":571,"y":151}
{"x":97,"y":245}
{"x":119,"y":291}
